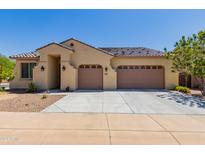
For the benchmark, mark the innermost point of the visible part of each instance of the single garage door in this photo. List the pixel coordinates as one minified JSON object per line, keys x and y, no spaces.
{"x":133,"y":77}
{"x":90,"y":77}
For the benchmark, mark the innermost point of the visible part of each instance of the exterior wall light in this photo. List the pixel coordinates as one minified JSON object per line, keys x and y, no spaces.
{"x":42,"y":68}
{"x":63,"y":68}
{"x":106,"y":69}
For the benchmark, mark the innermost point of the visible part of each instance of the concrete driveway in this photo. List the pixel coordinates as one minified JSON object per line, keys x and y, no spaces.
{"x":136,"y":101}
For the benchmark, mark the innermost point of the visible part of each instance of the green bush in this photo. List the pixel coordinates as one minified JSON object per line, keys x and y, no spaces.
{"x":6,"y":68}
{"x":2,"y":89}
{"x":182,"y":89}
{"x":32,"y":87}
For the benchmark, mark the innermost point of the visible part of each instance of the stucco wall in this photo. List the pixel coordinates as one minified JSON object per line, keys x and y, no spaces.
{"x":68,"y":77}
{"x":19,"y":82}
{"x":171,"y":79}
{"x":87,"y":55}
{"x":40,"y":78}
{"x":45,"y":79}
{"x":195,"y":82}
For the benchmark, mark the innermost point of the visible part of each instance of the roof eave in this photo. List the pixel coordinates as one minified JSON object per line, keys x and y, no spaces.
{"x":55,"y":44}
{"x":24,"y":58}
{"x":127,"y":56}
{"x":104,"y":51}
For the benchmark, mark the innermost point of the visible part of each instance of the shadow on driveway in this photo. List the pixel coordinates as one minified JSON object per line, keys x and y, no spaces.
{"x":184,"y":99}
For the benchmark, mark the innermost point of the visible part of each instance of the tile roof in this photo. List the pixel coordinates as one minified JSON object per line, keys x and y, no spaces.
{"x":35,"y":54}
{"x":124,"y":51}
{"x":27,"y":55}
{"x":129,"y":51}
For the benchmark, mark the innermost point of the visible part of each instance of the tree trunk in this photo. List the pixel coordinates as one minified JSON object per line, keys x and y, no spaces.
{"x":203,"y":87}
{"x":201,"y":82}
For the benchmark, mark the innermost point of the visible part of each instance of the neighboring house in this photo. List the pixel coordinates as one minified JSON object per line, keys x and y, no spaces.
{"x":77,"y":65}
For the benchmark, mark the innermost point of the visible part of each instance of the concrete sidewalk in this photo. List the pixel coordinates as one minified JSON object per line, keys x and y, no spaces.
{"x":90,"y":128}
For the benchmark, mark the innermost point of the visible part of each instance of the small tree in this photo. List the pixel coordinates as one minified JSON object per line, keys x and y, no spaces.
{"x":6,"y":68}
{"x":198,"y":59}
{"x":189,"y":57}
{"x":181,"y":57}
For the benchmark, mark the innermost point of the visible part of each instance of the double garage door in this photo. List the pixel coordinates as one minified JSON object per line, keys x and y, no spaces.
{"x":132,"y":77}
{"x":128,"y":77}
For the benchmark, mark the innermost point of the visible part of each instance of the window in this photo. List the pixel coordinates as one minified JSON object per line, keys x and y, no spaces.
{"x":160,"y":67}
{"x":119,"y":67}
{"x":87,"y":66}
{"x":27,"y":70}
{"x":81,"y":66}
{"x":148,"y":67}
{"x":131,"y":67}
{"x":154,"y":67}
{"x":142,"y":67}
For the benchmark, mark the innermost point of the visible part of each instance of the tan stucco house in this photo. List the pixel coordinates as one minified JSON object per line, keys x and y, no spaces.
{"x":77,"y":65}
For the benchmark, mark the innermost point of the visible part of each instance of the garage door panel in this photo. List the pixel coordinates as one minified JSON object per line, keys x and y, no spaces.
{"x":90,"y":78}
{"x":140,"y":78}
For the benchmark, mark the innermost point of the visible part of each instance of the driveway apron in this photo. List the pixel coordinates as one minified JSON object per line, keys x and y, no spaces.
{"x":132,"y":101}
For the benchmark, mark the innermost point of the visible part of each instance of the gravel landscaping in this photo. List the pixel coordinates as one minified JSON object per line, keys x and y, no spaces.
{"x":22,"y":102}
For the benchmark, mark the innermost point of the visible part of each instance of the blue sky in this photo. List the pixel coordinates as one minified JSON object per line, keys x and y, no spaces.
{"x":26,"y":30}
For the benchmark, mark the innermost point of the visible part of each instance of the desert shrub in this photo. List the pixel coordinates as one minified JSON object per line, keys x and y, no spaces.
{"x":2,"y":89}
{"x":44,"y":96}
{"x":67,"y":89}
{"x":32,"y":87}
{"x":182,"y":89}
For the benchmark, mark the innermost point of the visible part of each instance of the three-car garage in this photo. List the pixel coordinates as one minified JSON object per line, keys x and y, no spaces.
{"x":128,"y":77}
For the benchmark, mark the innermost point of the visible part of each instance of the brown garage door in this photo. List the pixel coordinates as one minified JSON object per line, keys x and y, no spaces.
{"x":131,"y":77}
{"x":90,"y":77}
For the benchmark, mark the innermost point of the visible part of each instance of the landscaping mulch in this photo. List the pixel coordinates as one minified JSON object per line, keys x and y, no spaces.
{"x":26,"y":102}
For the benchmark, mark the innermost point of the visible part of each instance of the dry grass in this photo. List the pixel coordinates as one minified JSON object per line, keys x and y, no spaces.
{"x":10,"y":102}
